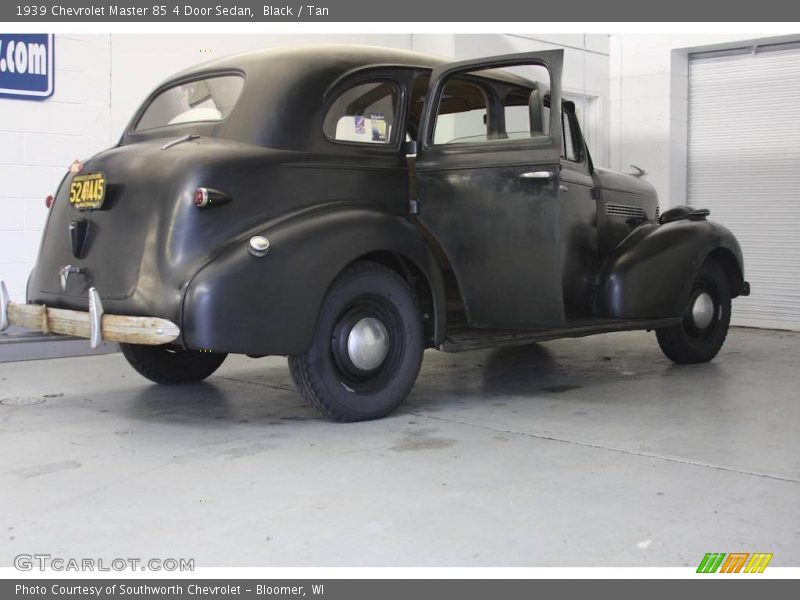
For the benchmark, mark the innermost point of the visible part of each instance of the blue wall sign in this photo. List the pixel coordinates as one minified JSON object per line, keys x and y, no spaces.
{"x":27,"y":65}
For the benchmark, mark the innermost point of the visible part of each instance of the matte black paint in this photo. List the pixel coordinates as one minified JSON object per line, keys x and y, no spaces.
{"x":533,"y":257}
{"x":269,"y":305}
{"x":499,"y":231}
{"x":580,"y":212}
{"x":617,"y":188}
{"x":650,"y":272}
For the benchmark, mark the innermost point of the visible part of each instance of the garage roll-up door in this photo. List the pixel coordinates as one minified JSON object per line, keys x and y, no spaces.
{"x":744,"y":165}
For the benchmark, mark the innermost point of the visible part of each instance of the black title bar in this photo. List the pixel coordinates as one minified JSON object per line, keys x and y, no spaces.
{"x":107,"y":11}
{"x":738,"y":588}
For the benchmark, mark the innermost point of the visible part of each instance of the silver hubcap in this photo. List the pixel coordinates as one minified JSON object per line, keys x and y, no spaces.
{"x":368,"y":344}
{"x":703,"y":310}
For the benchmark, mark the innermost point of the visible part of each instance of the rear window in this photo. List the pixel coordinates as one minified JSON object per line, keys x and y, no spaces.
{"x":210,"y":99}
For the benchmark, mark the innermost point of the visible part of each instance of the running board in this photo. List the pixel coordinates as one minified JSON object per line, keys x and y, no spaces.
{"x":462,"y":338}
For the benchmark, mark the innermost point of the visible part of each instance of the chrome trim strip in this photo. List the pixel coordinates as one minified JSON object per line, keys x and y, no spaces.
{"x":95,"y":318}
{"x":537,"y":175}
{"x":4,"y":301}
{"x":186,"y":138}
{"x":624,"y":210}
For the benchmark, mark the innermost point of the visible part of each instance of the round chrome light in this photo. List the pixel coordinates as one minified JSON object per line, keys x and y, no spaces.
{"x":259,"y":245}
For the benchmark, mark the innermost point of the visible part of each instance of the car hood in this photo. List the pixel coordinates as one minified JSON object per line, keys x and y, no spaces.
{"x":613,"y":180}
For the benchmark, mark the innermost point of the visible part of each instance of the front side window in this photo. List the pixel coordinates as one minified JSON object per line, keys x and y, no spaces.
{"x":570,"y":142}
{"x":364,"y":113}
{"x":209,"y":99}
{"x":571,"y":149}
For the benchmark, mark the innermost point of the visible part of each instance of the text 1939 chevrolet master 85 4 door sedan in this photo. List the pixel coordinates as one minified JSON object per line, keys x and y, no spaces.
{"x":349,"y":207}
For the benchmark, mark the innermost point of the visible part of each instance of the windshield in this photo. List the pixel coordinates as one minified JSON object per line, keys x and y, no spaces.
{"x":209,"y":99}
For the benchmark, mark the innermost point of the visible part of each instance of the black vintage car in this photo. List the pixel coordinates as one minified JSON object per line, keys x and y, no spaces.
{"x":349,"y":207}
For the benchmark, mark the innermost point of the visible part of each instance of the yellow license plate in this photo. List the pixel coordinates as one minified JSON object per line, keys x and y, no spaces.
{"x":87,"y":192}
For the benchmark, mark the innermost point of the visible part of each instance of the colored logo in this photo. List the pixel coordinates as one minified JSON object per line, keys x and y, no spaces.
{"x":735,"y":562}
{"x":27,"y":65}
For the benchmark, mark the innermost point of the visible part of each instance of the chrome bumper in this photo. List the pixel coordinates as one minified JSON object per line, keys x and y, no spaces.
{"x":95,"y":325}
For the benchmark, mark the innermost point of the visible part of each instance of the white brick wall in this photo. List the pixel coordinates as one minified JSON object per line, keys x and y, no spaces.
{"x":38,"y":141}
{"x":649,"y":101}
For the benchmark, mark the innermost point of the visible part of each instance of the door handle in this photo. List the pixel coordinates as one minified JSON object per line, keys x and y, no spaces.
{"x":563,"y":188}
{"x":537,"y":175}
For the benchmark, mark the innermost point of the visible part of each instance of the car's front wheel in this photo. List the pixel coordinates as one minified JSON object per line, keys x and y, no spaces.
{"x":171,"y":365}
{"x":707,"y":315}
{"x":367,"y":346}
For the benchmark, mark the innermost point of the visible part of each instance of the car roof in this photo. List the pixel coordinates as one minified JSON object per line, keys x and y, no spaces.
{"x":310,"y":58}
{"x":283,"y":100}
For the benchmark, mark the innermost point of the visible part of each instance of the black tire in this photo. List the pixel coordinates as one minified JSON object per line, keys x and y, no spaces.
{"x":170,"y":365}
{"x":687,"y":343}
{"x":327,"y":373}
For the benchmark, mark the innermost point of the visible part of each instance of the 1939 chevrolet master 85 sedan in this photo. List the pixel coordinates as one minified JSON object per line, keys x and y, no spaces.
{"x":349,"y":207}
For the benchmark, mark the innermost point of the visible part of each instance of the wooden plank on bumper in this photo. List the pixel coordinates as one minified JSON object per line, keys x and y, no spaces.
{"x":151,"y":331}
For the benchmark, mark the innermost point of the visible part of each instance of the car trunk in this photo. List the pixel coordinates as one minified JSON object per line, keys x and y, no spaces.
{"x":123,"y":253}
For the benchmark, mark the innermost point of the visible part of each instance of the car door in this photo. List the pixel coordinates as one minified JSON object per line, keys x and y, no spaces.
{"x":490,"y":199}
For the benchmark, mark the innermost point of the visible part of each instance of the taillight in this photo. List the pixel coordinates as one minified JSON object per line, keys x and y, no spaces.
{"x":48,"y":202}
{"x":205,"y":197}
{"x":201,"y":197}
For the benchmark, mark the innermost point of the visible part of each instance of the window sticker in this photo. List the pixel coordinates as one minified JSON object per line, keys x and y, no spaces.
{"x":378,"y":127}
{"x":360,"y":124}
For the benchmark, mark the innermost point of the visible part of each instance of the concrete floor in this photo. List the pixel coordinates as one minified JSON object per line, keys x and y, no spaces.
{"x":575,"y":452}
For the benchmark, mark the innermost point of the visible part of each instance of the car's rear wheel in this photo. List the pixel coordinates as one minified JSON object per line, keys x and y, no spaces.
{"x":171,"y":365}
{"x":707,"y":316}
{"x":367,"y":346}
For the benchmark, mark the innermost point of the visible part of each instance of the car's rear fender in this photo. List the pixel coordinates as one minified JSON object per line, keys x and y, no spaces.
{"x":268,"y":305}
{"x":650,"y":273}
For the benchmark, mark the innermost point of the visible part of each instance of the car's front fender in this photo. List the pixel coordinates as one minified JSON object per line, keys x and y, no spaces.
{"x":650,"y":273}
{"x":268,"y":305}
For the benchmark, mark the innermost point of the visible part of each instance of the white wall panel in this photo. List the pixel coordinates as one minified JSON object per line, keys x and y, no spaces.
{"x":38,"y":141}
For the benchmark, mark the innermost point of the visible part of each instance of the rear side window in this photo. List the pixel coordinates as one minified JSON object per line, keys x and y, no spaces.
{"x":209,"y":99}
{"x":364,"y":113}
